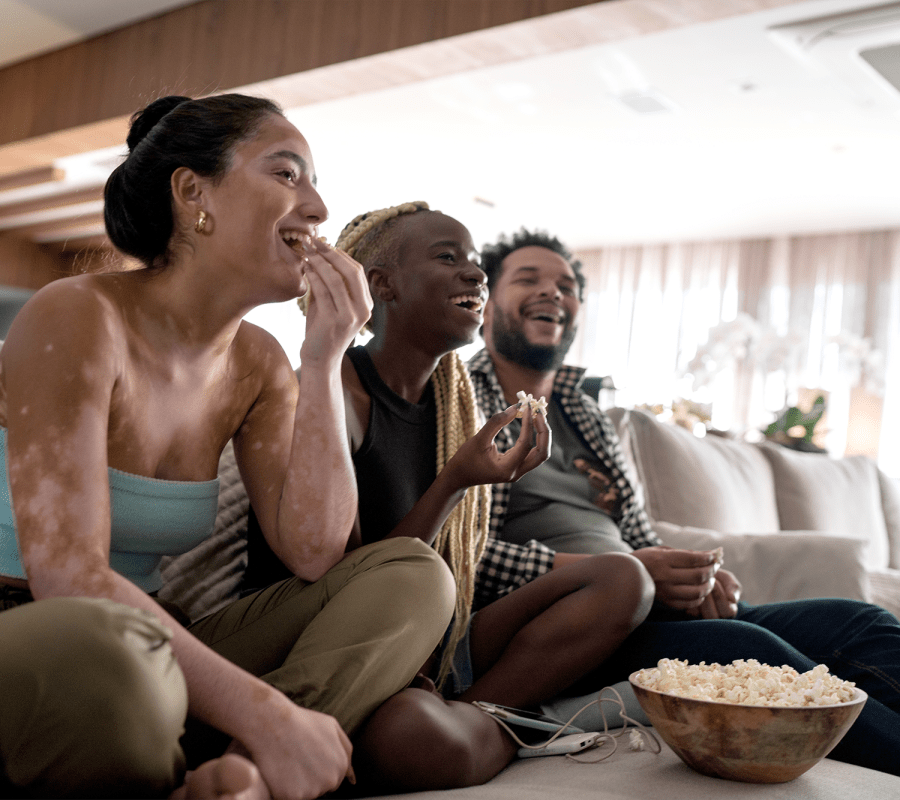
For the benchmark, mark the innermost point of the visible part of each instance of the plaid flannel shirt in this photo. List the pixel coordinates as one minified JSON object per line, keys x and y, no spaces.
{"x":507,"y":566}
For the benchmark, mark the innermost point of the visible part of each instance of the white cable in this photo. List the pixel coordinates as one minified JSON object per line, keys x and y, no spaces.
{"x":603,"y":736}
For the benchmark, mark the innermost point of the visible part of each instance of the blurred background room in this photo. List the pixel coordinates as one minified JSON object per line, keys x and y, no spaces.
{"x":727,"y":171}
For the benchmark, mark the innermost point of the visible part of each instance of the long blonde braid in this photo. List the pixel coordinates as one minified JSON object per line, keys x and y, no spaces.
{"x":462,"y":538}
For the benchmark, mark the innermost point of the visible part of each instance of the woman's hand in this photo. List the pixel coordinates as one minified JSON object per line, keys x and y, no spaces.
{"x":340,"y":304}
{"x":302,"y":484}
{"x":305,"y":756}
{"x":299,"y":752}
{"x":479,"y":460}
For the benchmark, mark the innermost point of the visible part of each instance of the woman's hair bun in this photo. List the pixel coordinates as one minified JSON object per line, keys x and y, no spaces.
{"x":143,"y":121}
{"x":171,"y":133}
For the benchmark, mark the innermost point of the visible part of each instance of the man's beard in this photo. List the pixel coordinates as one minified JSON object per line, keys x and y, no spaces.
{"x":512,"y":344}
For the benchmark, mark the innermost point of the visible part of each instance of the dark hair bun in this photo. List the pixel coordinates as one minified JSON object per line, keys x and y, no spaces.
{"x":170,"y":133}
{"x":143,"y":121}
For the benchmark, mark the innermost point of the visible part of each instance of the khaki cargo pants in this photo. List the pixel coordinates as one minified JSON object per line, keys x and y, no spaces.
{"x":92,"y":702}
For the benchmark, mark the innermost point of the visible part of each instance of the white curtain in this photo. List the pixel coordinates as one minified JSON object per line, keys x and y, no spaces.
{"x":649,"y":308}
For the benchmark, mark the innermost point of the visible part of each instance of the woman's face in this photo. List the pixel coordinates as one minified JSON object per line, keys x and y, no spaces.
{"x":439,"y":289}
{"x":265,"y":210}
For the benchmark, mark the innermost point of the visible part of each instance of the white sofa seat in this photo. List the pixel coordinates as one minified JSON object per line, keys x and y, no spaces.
{"x":629,"y":775}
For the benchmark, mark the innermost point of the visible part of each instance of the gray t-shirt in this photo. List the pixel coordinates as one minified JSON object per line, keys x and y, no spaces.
{"x":554,"y":503}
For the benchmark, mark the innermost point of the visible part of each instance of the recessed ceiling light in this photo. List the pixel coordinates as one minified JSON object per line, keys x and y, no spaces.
{"x":647,"y":101}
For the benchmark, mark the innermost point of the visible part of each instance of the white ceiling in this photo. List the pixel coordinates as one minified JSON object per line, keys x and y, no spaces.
{"x":32,"y":27}
{"x":756,"y":141}
{"x":752,"y":140}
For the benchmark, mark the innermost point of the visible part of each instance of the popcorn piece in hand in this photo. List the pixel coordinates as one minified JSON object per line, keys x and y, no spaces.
{"x":719,"y":555}
{"x":537,"y":406}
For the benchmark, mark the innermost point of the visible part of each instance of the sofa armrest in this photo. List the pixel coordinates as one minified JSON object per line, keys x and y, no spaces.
{"x":791,"y":565}
{"x":885,"y":584}
{"x":890,"y":504}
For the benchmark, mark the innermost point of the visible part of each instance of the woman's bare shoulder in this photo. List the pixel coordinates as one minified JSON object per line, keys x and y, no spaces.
{"x":76,"y":314}
{"x":67,"y":335}
{"x":258,"y":356}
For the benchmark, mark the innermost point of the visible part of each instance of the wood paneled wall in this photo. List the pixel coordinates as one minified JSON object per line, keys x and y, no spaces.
{"x":220,"y":44}
{"x":28,"y":265}
{"x":87,"y":91}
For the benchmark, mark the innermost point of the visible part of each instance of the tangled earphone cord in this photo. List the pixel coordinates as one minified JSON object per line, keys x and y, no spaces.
{"x":602,"y":737}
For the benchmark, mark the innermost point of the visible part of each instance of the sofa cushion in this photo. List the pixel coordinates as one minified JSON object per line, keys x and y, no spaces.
{"x":782,"y":566}
{"x":621,"y":420}
{"x":711,"y":482}
{"x":630,"y":775}
{"x":837,"y":496}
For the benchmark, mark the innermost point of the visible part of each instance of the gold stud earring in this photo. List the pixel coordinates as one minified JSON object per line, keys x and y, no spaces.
{"x":200,"y":224}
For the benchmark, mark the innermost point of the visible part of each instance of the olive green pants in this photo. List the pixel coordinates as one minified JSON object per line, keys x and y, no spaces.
{"x":93,"y":704}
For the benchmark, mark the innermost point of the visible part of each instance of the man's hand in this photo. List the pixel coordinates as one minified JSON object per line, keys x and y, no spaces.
{"x":683,"y":578}
{"x":722,"y":601}
{"x":607,"y":494}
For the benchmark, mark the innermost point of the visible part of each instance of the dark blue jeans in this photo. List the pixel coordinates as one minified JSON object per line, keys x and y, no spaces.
{"x":856,"y":641}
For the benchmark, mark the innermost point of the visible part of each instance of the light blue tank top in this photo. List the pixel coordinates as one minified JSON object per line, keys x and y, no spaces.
{"x":151,"y":518}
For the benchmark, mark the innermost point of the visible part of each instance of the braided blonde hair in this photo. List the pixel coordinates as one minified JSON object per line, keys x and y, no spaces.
{"x":462,"y":538}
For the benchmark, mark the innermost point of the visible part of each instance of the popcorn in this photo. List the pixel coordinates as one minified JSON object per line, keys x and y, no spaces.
{"x":537,"y":406}
{"x":747,"y":683}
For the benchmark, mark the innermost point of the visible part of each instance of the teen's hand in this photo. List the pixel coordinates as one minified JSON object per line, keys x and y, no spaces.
{"x":683,"y":578}
{"x":479,"y":460}
{"x":339,"y":306}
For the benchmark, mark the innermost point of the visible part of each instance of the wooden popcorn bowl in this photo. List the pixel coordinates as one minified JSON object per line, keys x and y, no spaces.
{"x":756,"y":744}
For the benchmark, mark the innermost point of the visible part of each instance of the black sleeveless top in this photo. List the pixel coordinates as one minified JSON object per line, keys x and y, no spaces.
{"x":395,"y":465}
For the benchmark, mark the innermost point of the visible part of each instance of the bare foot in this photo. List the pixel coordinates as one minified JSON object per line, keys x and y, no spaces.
{"x":231,"y":777}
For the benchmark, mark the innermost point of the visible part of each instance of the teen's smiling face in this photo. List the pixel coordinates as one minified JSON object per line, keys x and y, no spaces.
{"x":265,"y":209}
{"x":437,"y":283}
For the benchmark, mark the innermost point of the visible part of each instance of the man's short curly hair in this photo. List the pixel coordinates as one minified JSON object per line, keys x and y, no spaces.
{"x":492,"y":255}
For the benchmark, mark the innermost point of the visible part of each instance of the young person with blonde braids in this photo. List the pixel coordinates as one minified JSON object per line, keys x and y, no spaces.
{"x":423,"y":461}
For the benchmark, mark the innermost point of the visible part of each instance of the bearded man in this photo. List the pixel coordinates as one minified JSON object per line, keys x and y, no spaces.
{"x":580,"y":501}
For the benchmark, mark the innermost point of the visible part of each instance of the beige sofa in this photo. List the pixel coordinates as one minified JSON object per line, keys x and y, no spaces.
{"x":700,"y":493}
{"x":792,"y":524}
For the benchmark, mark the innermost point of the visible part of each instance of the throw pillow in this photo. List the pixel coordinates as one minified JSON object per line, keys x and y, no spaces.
{"x":711,"y":482}
{"x":208,"y":577}
{"x":621,"y":419}
{"x":840,"y":496}
{"x":773,"y":567}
